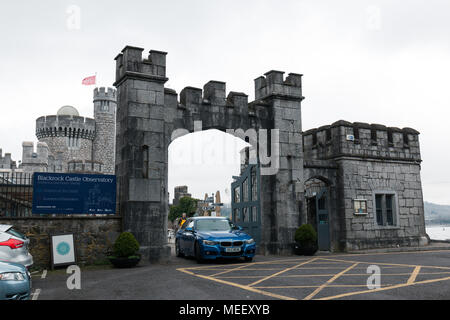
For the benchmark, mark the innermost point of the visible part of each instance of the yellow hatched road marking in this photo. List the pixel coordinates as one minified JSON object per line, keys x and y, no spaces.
{"x":313,"y":286}
{"x":315,"y":292}
{"x":230,"y":270}
{"x":388,"y":264}
{"x":280,"y":272}
{"x":383,"y":289}
{"x":269,"y":294}
{"x":414,"y":274}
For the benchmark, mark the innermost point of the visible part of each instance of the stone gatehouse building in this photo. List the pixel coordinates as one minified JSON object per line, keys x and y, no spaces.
{"x":362,"y":187}
{"x":358,"y":184}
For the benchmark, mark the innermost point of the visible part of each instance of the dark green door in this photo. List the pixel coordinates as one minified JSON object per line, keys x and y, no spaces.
{"x":323,"y":225}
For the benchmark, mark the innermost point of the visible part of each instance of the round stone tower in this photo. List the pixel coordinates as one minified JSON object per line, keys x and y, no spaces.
{"x":68,"y":136}
{"x":105,"y":126}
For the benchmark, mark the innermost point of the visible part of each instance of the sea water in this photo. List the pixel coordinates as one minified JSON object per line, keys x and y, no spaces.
{"x":438,"y":232}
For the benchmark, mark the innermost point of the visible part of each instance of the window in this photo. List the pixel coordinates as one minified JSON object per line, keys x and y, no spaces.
{"x":254,"y":184}
{"x":245,"y":190}
{"x":360,"y":206}
{"x":237,"y":194}
{"x":385,"y":209}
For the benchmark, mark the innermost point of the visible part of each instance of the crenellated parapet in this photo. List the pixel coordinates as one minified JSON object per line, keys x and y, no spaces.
{"x":130,"y":63}
{"x":274,"y":84}
{"x":65,"y":126}
{"x":103,"y":93}
{"x":361,"y":140}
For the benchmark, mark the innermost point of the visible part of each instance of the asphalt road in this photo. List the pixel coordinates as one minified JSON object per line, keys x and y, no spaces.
{"x":405,"y":275}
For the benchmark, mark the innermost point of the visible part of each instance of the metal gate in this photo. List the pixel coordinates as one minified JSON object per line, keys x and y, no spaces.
{"x":323,"y":225}
{"x":251,"y":222}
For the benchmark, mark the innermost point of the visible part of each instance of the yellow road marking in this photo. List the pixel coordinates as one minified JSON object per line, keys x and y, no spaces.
{"x":230,"y":270}
{"x":414,"y":274}
{"x":312,"y":286}
{"x":388,"y":264}
{"x":282,"y":271}
{"x":269,"y":294}
{"x":383,"y":289}
{"x":336,"y":276}
{"x":330,"y":275}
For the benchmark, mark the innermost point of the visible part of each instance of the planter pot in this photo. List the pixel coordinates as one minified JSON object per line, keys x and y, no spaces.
{"x":124,"y":262}
{"x":305,"y":249}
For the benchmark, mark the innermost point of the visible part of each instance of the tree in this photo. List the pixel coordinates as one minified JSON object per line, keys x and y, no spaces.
{"x":186,"y":204}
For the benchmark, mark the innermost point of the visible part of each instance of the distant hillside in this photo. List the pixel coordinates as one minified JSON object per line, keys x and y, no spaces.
{"x":436,"y":213}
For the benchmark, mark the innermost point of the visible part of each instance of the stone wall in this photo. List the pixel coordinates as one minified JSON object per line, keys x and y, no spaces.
{"x":364,"y":179}
{"x":93,"y":236}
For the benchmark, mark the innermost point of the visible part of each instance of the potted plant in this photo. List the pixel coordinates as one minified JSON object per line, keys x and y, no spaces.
{"x":125,"y":251}
{"x":305,"y":240}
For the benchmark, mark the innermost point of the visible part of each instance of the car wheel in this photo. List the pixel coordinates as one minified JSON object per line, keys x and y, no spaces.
{"x":177,"y":249}
{"x":198,"y":255}
{"x":248,"y":259}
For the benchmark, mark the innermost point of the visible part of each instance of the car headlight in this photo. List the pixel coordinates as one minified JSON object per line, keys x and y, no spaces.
{"x":11,"y":276}
{"x":249,"y":241}
{"x":209,"y":243}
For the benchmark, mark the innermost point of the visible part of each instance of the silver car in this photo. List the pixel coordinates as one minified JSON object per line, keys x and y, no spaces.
{"x":14,"y":246}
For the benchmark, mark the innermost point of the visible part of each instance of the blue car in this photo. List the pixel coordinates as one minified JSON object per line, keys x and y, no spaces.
{"x":15,"y":281}
{"x":207,"y":238}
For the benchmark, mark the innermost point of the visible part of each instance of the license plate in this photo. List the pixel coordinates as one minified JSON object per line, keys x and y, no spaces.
{"x":232,"y":249}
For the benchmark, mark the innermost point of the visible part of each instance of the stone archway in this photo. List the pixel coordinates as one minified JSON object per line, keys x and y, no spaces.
{"x":150,"y":116}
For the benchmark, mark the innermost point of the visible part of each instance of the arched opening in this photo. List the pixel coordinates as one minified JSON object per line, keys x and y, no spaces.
{"x":317,"y":199}
{"x":202,"y":165}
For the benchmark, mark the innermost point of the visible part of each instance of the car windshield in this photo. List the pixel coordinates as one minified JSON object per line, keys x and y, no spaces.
{"x":213,"y":225}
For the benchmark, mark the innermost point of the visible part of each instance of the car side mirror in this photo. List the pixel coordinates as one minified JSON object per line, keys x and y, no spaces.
{"x":189,"y":229}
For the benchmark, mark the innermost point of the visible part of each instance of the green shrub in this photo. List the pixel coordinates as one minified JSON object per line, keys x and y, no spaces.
{"x":306,"y":234}
{"x":126,"y":245}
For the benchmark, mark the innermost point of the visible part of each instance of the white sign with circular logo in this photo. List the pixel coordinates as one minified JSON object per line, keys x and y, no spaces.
{"x":63,"y":249}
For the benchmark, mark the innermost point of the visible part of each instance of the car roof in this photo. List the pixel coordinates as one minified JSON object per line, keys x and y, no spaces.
{"x":5,"y":227}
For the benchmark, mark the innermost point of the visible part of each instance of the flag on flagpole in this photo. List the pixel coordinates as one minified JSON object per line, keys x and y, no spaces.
{"x":89,"y":80}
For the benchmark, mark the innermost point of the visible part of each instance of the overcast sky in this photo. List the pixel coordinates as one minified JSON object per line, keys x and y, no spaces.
{"x":373,"y":61}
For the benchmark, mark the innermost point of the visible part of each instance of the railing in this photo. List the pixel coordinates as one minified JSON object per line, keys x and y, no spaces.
{"x":16,"y":194}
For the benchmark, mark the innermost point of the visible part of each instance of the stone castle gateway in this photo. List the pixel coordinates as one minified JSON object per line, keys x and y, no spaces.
{"x":346,"y":182}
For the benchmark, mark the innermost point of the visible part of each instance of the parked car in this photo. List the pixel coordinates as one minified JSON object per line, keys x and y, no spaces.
{"x":213,"y":237}
{"x":15,"y":281}
{"x":14,"y":246}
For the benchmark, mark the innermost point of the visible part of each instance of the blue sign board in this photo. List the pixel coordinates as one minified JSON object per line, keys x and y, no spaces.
{"x":66,"y":193}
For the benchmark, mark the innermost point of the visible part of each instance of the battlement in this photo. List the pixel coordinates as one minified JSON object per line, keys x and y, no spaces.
{"x":30,"y":156}
{"x":274,"y":84}
{"x":103,"y":93}
{"x":346,"y":139}
{"x":131,"y":63}
{"x":65,"y":126}
{"x":6,"y":162}
{"x":213,"y":93}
